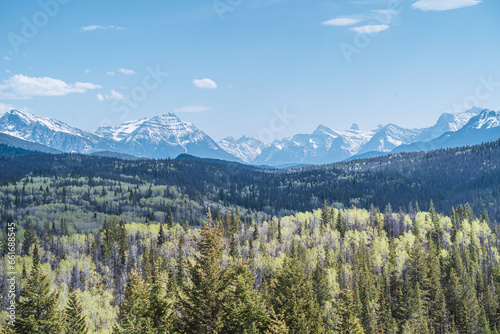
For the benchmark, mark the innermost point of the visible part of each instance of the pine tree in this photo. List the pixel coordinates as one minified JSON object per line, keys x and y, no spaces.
{"x":436,"y":298}
{"x":36,"y":257}
{"x":75,"y":279}
{"x":385,"y":322}
{"x":245,"y":310}
{"x":255,"y":234}
{"x":161,"y":235}
{"x":325,"y":215}
{"x":179,"y":266}
{"x":341,"y":226}
{"x":293,"y":297}
{"x":162,"y":301}
{"x":277,"y":325}
{"x":29,"y":238}
{"x":236,"y":221}
{"x":347,"y":319}
{"x":135,"y":312}
{"x":234,"y":251}
{"x":319,"y":285}
{"x":228,"y":228}
{"x":75,"y":319}
{"x":203,"y":300}
{"x":170,"y":220}
{"x":38,"y":306}
{"x":417,"y":311}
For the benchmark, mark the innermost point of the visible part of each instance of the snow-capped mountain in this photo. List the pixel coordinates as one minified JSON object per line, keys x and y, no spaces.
{"x":447,"y":122}
{"x":389,"y":137}
{"x":51,"y":132}
{"x":481,"y":128}
{"x":322,"y":146}
{"x":120,"y":132}
{"x":164,"y":136}
{"x":325,"y":145}
{"x":167,"y":136}
{"x":246,"y":148}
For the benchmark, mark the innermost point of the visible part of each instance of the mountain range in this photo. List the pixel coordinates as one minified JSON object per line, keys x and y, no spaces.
{"x":167,"y":136}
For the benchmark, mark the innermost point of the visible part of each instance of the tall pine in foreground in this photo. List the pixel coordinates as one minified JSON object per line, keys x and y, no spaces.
{"x":204,"y":297}
{"x":37,"y":312}
{"x":246,"y":311}
{"x":293,"y":298}
{"x":135,"y":312}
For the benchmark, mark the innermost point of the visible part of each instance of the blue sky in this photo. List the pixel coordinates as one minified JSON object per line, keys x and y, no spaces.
{"x":230,"y":66}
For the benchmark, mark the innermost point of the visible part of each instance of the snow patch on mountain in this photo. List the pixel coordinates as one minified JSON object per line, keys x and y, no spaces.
{"x":120,"y":132}
{"x":245,"y":148}
{"x":51,"y":132}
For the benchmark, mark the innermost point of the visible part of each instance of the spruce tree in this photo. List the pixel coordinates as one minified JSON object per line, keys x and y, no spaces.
{"x":161,"y":235}
{"x":325,"y":215}
{"x":234,"y":251}
{"x":340,"y":225}
{"x":204,"y":299}
{"x":293,"y":297}
{"x":75,"y":319}
{"x":245,"y":310}
{"x":135,"y":312}
{"x":29,"y":238}
{"x":347,"y":319}
{"x":277,"y":324}
{"x":436,"y":298}
{"x":162,"y":301}
{"x":170,"y":220}
{"x":38,"y":306}
{"x":179,"y":265}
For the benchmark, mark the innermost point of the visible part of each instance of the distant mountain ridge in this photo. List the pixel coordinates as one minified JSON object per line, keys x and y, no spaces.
{"x":167,"y":136}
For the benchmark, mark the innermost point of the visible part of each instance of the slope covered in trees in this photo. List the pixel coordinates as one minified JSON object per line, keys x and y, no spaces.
{"x":83,"y":189}
{"x":328,"y":271}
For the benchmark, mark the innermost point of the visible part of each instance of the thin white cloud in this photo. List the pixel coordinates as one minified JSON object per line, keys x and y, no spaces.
{"x":341,"y":21}
{"x":110,"y":73}
{"x":20,"y":86}
{"x":370,"y":29}
{"x":204,"y":83}
{"x":126,"y":71}
{"x":86,"y":71}
{"x":444,"y":4}
{"x":386,"y":11}
{"x":113,"y":95}
{"x":98,"y":27}
{"x":195,"y":108}
{"x":7,"y":71}
{"x":6,"y":58}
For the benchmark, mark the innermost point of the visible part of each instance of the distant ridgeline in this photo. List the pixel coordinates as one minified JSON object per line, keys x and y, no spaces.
{"x":84,"y":189}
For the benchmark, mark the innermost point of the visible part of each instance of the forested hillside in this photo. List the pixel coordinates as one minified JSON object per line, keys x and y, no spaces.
{"x":83,"y":189}
{"x":109,"y":245}
{"x":330,"y":271}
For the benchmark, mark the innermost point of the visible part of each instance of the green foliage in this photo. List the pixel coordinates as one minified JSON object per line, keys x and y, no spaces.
{"x":293,"y":297}
{"x":29,"y":238}
{"x":75,"y":319}
{"x":38,"y":311}
{"x":347,"y":319}
{"x":204,"y":297}
{"x":362,"y":271}
{"x":135,"y":313}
